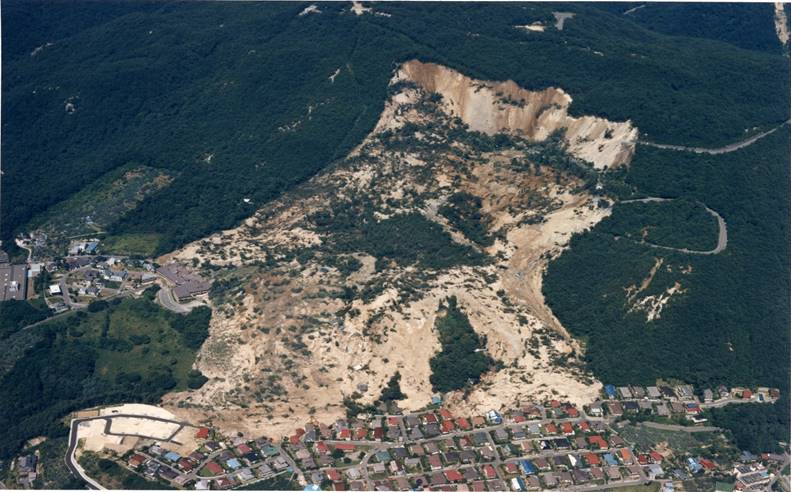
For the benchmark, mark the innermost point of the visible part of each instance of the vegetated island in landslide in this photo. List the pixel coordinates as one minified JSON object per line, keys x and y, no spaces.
{"x":463,"y":191}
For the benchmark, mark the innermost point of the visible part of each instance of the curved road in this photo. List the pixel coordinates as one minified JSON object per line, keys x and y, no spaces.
{"x":719,"y":150}
{"x":722,"y":235}
{"x":71,"y":462}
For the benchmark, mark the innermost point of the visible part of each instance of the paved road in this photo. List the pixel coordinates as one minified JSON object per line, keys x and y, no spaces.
{"x":722,"y":235}
{"x":71,"y":461}
{"x":719,"y":150}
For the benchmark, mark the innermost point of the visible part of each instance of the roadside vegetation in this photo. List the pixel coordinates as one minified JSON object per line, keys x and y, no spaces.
{"x":18,"y":314}
{"x":119,"y":351}
{"x":675,"y":224}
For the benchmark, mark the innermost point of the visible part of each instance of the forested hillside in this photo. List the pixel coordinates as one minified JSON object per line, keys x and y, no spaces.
{"x":238,"y":99}
{"x":748,"y":26}
{"x":730,"y":324}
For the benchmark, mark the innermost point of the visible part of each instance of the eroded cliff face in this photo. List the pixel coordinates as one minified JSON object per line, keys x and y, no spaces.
{"x":493,"y":107}
{"x":323,"y":296}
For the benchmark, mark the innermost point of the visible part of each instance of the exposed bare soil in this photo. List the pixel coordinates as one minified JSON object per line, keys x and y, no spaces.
{"x":295,"y":331}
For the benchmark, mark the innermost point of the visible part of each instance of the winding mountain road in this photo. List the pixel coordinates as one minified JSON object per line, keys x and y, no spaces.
{"x":722,"y":235}
{"x":719,"y":150}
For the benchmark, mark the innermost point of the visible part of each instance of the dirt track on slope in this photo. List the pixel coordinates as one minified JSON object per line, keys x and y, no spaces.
{"x":719,"y":150}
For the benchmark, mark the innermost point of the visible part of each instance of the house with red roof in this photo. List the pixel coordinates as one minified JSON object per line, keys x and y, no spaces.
{"x":213,"y":468}
{"x":463,"y":424}
{"x":592,"y":459}
{"x":584,"y":426}
{"x":626,"y":456}
{"x":345,"y":434}
{"x":136,"y":460}
{"x":379,"y":433}
{"x":429,"y":418}
{"x":489,"y":472}
{"x":346,"y":448}
{"x":478,"y":421}
{"x":453,"y":476}
{"x":203,"y":433}
{"x":338,"y":486}
{"x":551,"y":428}
{"x":567,"y":428}
{"x":597,"y":441}
{"x":445,"y":414}
{"x":511,"y":468}
{"x":518,"y":419}
{"x":643,"y":459}
{"x":294,"y":439}
{"x":447,"y":426}
{"x":707,"y":464}
{"x":656,"y":457}
{"x":334,"y":475}
{"x":554,"y":403}
{"x":243,"y":449}
{"x":747,"y":394}
{"x":185,"y":465}
{"x":572,"y":412}
{"x":392,"y":421}
{"x":322,"y":448}
{"x":360,"y":433}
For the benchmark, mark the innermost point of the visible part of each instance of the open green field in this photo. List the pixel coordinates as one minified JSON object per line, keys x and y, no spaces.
{"x":128,"y":350}
{"x":131,"y":244}
{"x":94,"y":208}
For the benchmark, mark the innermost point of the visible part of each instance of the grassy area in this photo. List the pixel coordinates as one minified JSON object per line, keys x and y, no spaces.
{"x":131,"y":244}
{"x":147,"y":340}
{"x":120,"y":350}
{"x":90,"y":211}
{"x":646,"y":438}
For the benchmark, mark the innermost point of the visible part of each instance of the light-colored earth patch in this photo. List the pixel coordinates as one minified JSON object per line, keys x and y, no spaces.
{"x":137,"y":409}
{"x":142,"y":426}
{"x":492,"y":107}
{"x":301,"y":332}
{"x":781,"y":23}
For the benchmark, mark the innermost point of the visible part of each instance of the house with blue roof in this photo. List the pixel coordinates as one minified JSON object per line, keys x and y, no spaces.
{"x":610,"y":391}
{"x":172,"y":456}
{"x":610,"y":459}
{"x":693,"y":465}
{"x":528,"y":467}
{"x":518,"y":484}
{"x":233,"y":464}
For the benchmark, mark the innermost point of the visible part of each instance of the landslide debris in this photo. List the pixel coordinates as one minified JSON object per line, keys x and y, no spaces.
{"x":333,"y":290}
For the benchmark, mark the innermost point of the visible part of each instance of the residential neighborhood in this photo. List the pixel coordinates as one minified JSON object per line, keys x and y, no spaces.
{"x":551,"y":445}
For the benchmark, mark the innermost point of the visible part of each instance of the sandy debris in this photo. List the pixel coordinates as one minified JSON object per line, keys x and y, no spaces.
{"x":359,"y":9}
{"x":534,"y":27}
{"x":492,"y":107}
{"x":781,"y":23}
{"x":310,"y":9}
{"x":142,"y":426}
{"x":284,"y":347}
{"x":137,"y":409}
{"x":653,"y":305}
